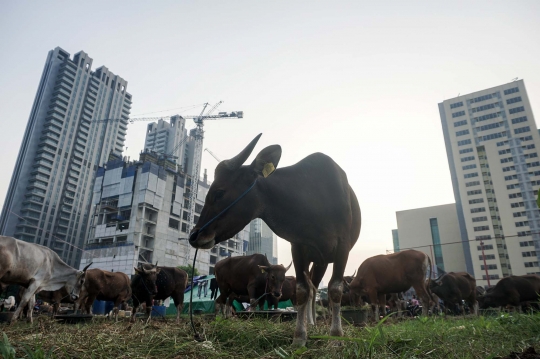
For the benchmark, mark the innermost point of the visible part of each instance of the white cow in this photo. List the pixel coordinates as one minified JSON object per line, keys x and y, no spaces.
{"x":7,"y":303}
{"x":36,"y":268}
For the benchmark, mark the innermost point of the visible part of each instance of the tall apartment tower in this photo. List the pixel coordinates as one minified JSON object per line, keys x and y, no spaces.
{"x":166,"y":137}
{"x":492,"y":144}
{"x":48,"y":200}
{"x":262,"y":240}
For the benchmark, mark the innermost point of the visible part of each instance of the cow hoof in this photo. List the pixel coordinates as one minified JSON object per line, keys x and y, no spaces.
{"x":299,"y":342}
{"x":336,"y":332}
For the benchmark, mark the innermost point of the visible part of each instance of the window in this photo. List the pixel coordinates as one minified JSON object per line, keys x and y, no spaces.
{"x":490,"y":126}
{"x":483,"y":238}
{"x":493,"y":136}
{"x":481,"y":228}
{"x":465,"y":150}
{"x":528,"y":254}
{"x":457,"y":114}
{"x":470,"y":175}
{"x":503,"y":152}
{"x":479,"y":219}
{"x":473,"y":183}
{"x":522,"y":129}
{"x":477,"y":200}
{"x":513,"y":100}
{"x":482,"y":98}
{"x":512,"y":186}
{"x":489,"y":266}
{"x":512,"y":90}
{"x":515,"y":195}
{"x":456,"y":105}
{"x":533,"y":164}
{"x":509,"y":178}
{"x":531,"y":155}
{"x":487,"y":256}
{"x":465,"y":159}
{"x":491,"y":276}
{"x":509,"y":168}
{"x":173,"y":223}
{"x":184,"y":227}
{"x":464,"y":142}
{"x":486,"y":247}
{"x":502,"y":143}
{"x":476,"y":210}
{"x":522,"y":224}
{"x":531,"y":264}
{"x":460,"y":123}
{"x":462,"y":133}
{"x":508,"y":159}
{"x":526,"y":244}
{"x":485,"y":107}
{"x":516,"y":110}
{"x":473,"y":192}
{"x":468,"y":167}
{"x":517,"y":204}
{"x":487,"y":117}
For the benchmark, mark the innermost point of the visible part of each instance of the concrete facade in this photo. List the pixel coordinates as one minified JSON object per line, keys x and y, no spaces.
{"x":140,"y":216}
{"x":434,"y":231}
{"x":262,"y":240}
{"x":48,"y":200}
{"x":492,"y":144}
{"x":166,"y":138}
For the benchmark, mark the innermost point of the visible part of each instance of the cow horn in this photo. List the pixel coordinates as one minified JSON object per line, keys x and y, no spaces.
{"x":238,"y":160}
{"x":85,"y":268}
{"x":287,"y":268}
{"x":156,"y":264}
{"x":354,"y":273}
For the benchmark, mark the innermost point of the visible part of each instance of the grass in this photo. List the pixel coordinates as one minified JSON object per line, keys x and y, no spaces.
{"x":431,"y":337}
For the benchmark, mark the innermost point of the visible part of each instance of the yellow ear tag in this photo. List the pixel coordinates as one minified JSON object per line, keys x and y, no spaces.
{"x":268,"y":169}
{"x":262,"y":270}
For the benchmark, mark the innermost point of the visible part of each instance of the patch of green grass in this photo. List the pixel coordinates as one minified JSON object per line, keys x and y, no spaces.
{"x":433,"y":337}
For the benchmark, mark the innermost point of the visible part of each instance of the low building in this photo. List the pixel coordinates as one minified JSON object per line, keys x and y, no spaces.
{"x":140,"y":215}
{"x":434,"y":231}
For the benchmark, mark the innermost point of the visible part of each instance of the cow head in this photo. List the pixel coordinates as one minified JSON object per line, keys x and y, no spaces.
{"x":231,"y":181}
{"x":149,"y":277}
{"x":275,"y":276}
{"x":74,"y":284}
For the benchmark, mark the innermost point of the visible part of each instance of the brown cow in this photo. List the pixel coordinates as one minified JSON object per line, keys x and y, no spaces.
{"x":288,"y":292}
{"x":158,"y":283}
{"x":513,"y":290}
{"x":104,"y":285}
{"x":251,"y":276}
{"x":453,"y":288}
{"x":309,"y":204}
{"x":393,"y":273}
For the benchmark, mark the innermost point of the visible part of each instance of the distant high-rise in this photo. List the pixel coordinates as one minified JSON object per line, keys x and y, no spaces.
{"x":48,"y":200}
{"x":262,"y":240}
{"x":166,"y":138}
{"x":492,"y":144}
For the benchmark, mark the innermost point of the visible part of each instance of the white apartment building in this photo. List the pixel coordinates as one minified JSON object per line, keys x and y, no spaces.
{"x":166,"y":138}
{"x":140,"y":216}
{"x":492,"y":144}
{"x":434,"y":231}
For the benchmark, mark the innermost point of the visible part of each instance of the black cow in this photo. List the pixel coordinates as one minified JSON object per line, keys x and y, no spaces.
{"x":513,"y":290}
{"x":213,"y":288}
{"x":453,"y":288}
{"x":158,"y":283}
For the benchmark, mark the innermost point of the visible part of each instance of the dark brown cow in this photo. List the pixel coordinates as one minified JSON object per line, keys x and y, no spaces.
{"x":288,"y":292}
{"x":251,"y":276}
{"x":309,"y":204}
{"x":104,"y":285}
{"x":513,"y":291}
{"x":158,"y":283}
{"x":393,"y":273}
{"x":453,"y":288}
{"x":57,"y":297}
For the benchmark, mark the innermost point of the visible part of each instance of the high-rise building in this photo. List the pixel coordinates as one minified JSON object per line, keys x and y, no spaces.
{"x":140,"y":216}
{"x":166,"y":138}
{"x":492,"y":144}
{"x":262,"y":240}
{"x":434,"y":231}
{"x":48,"y":200}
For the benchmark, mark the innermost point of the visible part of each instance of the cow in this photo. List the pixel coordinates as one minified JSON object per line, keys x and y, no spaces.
{"x":104,"y":285}
{"x":7,"y":303}
{"x":453,"y":288}
{"x":393,"y":273}
{"x":513,"y":290}
{"x":36,"y":268}
{"x":309,"y":204}
{"x":288,"y":292}
{"x":56,"y":297}
{"x":158,"y":283}
{"x":251,"y":276}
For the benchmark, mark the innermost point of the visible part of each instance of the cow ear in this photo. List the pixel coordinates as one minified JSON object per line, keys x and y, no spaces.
{"x":158,"y":270}
{"x":263,"y":269}
{"x":137,"y":270}
{"x":267,"y":160}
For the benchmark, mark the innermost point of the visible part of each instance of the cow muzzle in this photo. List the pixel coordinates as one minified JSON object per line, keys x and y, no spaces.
{"x":277,"y":294}
{"x":74,"y":297}
{"x":201,"y":241}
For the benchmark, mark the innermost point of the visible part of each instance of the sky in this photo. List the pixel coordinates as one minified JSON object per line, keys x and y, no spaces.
{"x":357,"y":80}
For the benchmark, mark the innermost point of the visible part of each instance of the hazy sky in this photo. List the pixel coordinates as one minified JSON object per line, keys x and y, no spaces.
{"x":357,"y":80}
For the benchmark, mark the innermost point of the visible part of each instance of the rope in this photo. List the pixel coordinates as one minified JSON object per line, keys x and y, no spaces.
{"x":196,"y":336}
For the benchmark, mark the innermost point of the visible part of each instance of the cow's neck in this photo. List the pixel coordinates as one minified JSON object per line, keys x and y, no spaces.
{"x":60,"y":275}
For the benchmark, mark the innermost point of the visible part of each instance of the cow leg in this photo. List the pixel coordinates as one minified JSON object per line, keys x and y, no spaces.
{"x":301,"y":265}
{"x":253,"y":297}
{"x":335,"y":288}
{"x":148,"y":310}
{"x":422,"y":293}
{"x":319,"y":269}
{"x":25,"y":298}
{"x":136,"y":304}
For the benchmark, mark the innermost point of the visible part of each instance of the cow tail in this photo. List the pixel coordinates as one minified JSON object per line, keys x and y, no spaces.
{"x":429,"y":279}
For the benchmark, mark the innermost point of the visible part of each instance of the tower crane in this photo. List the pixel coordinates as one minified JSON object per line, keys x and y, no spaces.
{"x":198,"y":136}
{"x":212,"y":154}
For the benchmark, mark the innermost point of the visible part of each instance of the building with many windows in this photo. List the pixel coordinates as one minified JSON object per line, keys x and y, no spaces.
{"x":262,"y":240}
{"x":167,"y":138}
{"x":140,"y":215}
{"x":48,"y":200}
{"x":492,"y":145}
{"x":434,"y":231}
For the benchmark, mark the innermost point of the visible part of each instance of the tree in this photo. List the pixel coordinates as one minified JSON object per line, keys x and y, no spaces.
{"x":188,"y":269}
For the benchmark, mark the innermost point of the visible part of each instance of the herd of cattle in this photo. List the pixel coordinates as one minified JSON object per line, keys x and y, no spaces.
{"x":310,"y":204}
